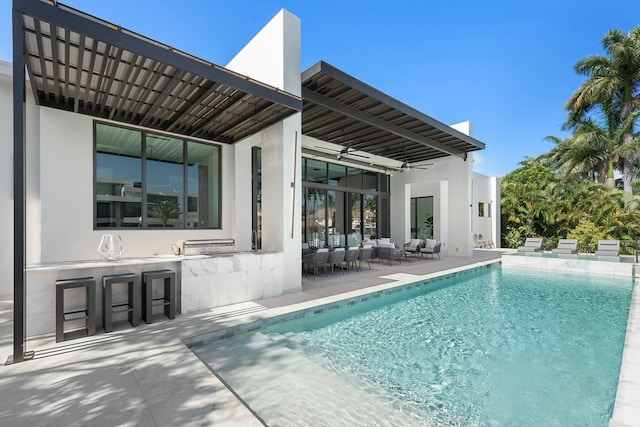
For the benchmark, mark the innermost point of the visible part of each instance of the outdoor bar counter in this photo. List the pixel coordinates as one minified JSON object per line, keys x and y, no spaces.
{"x":202,"y":282}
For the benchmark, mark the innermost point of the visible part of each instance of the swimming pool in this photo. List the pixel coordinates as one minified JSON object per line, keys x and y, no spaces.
{"x":490,"y":347}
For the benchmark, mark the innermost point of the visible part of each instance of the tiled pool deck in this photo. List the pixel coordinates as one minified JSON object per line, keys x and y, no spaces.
{"x":146,"y":376}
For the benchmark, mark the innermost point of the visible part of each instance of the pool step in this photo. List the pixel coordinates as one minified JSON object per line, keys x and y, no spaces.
{"x":285,"y":388}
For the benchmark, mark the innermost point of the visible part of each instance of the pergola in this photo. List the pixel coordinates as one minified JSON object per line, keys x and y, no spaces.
{"x":82,"y":64}
{"x":340,"y":109}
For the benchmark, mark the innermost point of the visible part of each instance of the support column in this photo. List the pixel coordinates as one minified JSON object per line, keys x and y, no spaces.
{"x":19,"y":204}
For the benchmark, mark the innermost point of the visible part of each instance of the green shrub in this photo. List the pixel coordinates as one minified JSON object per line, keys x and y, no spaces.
{"x":587,"y":233}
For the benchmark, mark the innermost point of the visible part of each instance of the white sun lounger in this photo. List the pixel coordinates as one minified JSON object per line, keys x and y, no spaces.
{"x":608,"y":248}
{"x":566,"y":246}
{"x":532,"y":244}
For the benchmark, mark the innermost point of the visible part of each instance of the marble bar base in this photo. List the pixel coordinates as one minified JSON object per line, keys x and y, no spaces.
{"x":223,"y":280}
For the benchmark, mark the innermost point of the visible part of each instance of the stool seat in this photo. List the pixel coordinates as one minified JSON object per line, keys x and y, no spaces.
{"x":88,"y":313}
{"x":133,"y":301}
{"x":168,"y":300}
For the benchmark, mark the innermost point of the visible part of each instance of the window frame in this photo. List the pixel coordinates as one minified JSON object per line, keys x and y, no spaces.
{"x":143,"y":159}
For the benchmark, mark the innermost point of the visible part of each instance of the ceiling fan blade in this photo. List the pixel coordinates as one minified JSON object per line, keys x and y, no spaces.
{"x":328,"y":149}
{"x":357,"y":155}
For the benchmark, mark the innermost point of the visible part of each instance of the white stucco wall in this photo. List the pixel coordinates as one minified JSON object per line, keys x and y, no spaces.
{"x":6,"y":181}
{"x":32,"y":184}
{"x":271,"y":54}
{"x":448,"y":180}
{"x":273,"y":57}
{"x":486,"y":189}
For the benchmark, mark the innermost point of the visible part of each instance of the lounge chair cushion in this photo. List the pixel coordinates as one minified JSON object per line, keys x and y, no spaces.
{"x":566,"y":246}
{"x":430,"y":243}
{"x":532,"y":244}
{"x":383,"y":240}
{"x":386,"y":244}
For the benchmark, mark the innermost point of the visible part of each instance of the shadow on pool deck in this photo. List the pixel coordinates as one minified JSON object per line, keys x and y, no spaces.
{"x":146,"y":376}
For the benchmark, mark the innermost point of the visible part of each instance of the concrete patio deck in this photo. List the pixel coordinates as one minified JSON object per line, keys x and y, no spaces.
{"x":146,"y":376}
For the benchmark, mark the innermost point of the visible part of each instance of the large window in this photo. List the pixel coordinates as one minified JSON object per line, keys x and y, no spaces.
{"x":149,"y":180}
{"x":256,"y":190}
{"x":343,"y":205}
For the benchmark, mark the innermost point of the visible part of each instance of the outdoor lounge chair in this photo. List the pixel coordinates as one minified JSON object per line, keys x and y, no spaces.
{"x":414,"y":246}
{"x":431,"y":247}
{"x":566,"y":246}
{"x":532,"y":244}
{"x":608,"y":248}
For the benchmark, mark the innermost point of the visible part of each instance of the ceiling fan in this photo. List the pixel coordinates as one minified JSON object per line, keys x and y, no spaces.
{"x":345,"y":151}
{"x":406,"y":166}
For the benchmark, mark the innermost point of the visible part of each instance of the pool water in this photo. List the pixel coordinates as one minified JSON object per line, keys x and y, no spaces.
{"x":493,"y":347}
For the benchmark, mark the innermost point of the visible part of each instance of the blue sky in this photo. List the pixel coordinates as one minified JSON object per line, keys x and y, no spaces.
{"x":506,"y":66}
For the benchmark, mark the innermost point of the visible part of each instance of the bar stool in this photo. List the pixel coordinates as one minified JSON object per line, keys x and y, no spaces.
{"x":133,"y":301}
{"x":168,"y":298}
{"x":88,"y":313}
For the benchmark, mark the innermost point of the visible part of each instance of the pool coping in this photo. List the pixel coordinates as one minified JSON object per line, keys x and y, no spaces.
{"x":626,"y":410}
{"x":262,"y":319}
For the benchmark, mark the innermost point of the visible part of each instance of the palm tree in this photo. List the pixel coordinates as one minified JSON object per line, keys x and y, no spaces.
{"x":165,"y":210}
{"x":613,"y":82}
{"x":590,"y":152}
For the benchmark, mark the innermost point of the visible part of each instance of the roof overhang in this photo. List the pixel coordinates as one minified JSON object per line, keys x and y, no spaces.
{"x":343,"y":110}
{"x":83,"y":64}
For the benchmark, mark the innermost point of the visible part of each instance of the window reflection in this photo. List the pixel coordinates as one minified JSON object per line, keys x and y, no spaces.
{"x":203,"y":186}
{"x":178,"y":192}
{"x":118,"y":177}
{"x":359,"y":210}
{"x":165,"y":181}
{"x":422,"y":217}
{"x":316,"y":221}
{"x":369,"y":215}
{"x":316,"y":171}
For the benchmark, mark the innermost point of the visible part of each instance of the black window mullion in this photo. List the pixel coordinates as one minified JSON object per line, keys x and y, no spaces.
{"x":143,"y":184}
{"x":185,"y":184}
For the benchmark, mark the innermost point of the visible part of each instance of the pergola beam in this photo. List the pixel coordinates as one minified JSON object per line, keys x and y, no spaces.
{"x":356,"y":114}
